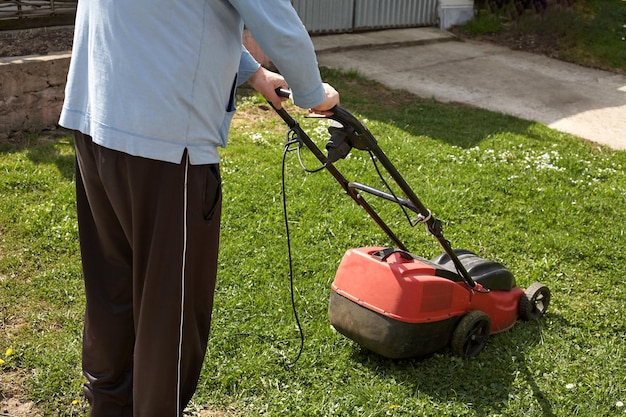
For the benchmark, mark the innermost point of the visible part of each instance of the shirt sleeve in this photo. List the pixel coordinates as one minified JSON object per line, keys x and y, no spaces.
{"x":247,"y":66}
{"x":278,"y":30}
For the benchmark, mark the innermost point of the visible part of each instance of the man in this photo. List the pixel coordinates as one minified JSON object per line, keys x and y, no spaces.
{"x":150,"y":95}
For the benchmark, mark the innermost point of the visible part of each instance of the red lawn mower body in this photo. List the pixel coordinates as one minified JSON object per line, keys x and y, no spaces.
{"x":403,"y":306}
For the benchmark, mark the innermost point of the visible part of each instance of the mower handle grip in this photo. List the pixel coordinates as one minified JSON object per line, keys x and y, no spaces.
{"x":286,"y":93}
{"x":283,"y":92}
{"x":337,"y":113}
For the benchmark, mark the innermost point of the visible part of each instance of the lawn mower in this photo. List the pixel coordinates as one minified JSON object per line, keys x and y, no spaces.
{"x":398,"y":304}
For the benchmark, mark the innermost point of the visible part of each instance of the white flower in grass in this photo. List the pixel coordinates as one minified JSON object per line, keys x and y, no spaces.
{"x":619,"y":404}
{"x":570,"y":386}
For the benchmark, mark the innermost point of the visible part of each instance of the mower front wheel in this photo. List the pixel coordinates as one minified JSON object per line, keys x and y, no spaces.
{"x":471,"y":334}
{"x":534,"y":302}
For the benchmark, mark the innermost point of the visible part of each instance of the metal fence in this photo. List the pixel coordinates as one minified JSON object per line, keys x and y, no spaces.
{"x":376,"y":14}
{"x":321,"y":16}
{"x":20,"y":14}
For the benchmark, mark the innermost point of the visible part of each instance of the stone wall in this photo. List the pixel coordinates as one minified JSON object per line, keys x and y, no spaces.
{"x":31,"y":92}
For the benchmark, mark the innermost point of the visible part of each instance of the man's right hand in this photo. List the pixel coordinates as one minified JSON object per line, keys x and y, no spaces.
{"x":331,"y":100}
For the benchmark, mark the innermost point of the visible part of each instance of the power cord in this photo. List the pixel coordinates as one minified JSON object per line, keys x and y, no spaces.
{"x":292,"y":139}
{"x":293,"y":143}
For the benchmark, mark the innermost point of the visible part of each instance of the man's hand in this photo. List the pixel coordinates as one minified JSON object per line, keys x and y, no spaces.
{"x":330,"y":100}
{"x":266,"y":82}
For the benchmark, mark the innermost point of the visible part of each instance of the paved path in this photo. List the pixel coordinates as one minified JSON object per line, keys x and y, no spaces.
{"x":435,"y":64}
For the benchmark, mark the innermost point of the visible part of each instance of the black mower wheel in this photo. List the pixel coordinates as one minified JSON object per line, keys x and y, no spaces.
{"x":471,"y":334}
{"x":534,"y":303}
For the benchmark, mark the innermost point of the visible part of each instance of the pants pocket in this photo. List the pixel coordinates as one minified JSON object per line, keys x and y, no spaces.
{"x":212,"y":191}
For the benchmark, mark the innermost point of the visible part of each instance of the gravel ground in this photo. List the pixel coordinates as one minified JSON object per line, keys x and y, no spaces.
{"x":35,"y":41}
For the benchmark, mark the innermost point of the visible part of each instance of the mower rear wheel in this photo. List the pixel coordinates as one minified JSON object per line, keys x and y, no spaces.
{"x":534,"y":303}
{"x":471,"y":334}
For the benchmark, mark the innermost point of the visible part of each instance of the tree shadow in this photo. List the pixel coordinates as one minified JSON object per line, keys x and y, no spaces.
{"x":452,"y":123}
{"x":464,"y":126}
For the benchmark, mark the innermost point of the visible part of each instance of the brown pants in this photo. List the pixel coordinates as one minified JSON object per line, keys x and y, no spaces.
{"x":149,"y":237}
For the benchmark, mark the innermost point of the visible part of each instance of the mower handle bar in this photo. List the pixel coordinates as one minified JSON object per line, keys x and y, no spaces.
{"x":387,"y":196}
{"x":369,"y":143}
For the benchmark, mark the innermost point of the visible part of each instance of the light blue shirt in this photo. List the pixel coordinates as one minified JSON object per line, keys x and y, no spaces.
{"x":152,"y":78}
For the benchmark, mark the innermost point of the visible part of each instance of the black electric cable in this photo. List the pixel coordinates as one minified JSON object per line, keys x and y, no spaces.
{"x":292,"y":139}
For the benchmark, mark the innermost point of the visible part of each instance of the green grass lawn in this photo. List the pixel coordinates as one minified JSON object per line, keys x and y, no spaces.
{"x":547,"y":205}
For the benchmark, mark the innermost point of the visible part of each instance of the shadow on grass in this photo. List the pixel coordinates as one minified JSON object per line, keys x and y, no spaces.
{"x":456,"y":125}
{"x":46,"y":148}
{"x":483,"y":383}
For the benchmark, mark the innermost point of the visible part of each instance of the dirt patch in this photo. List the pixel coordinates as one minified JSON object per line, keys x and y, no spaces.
{"x":217,"y":413}
{"x":539,"y":43}
{"x":12,"y":395}
{"x":14,"y":407}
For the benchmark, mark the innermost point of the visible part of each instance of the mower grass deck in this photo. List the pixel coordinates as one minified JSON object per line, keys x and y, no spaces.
{"x":400,"y":305}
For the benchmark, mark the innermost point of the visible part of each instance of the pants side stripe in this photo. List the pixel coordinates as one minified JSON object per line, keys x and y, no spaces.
{"x":182,"y":293}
